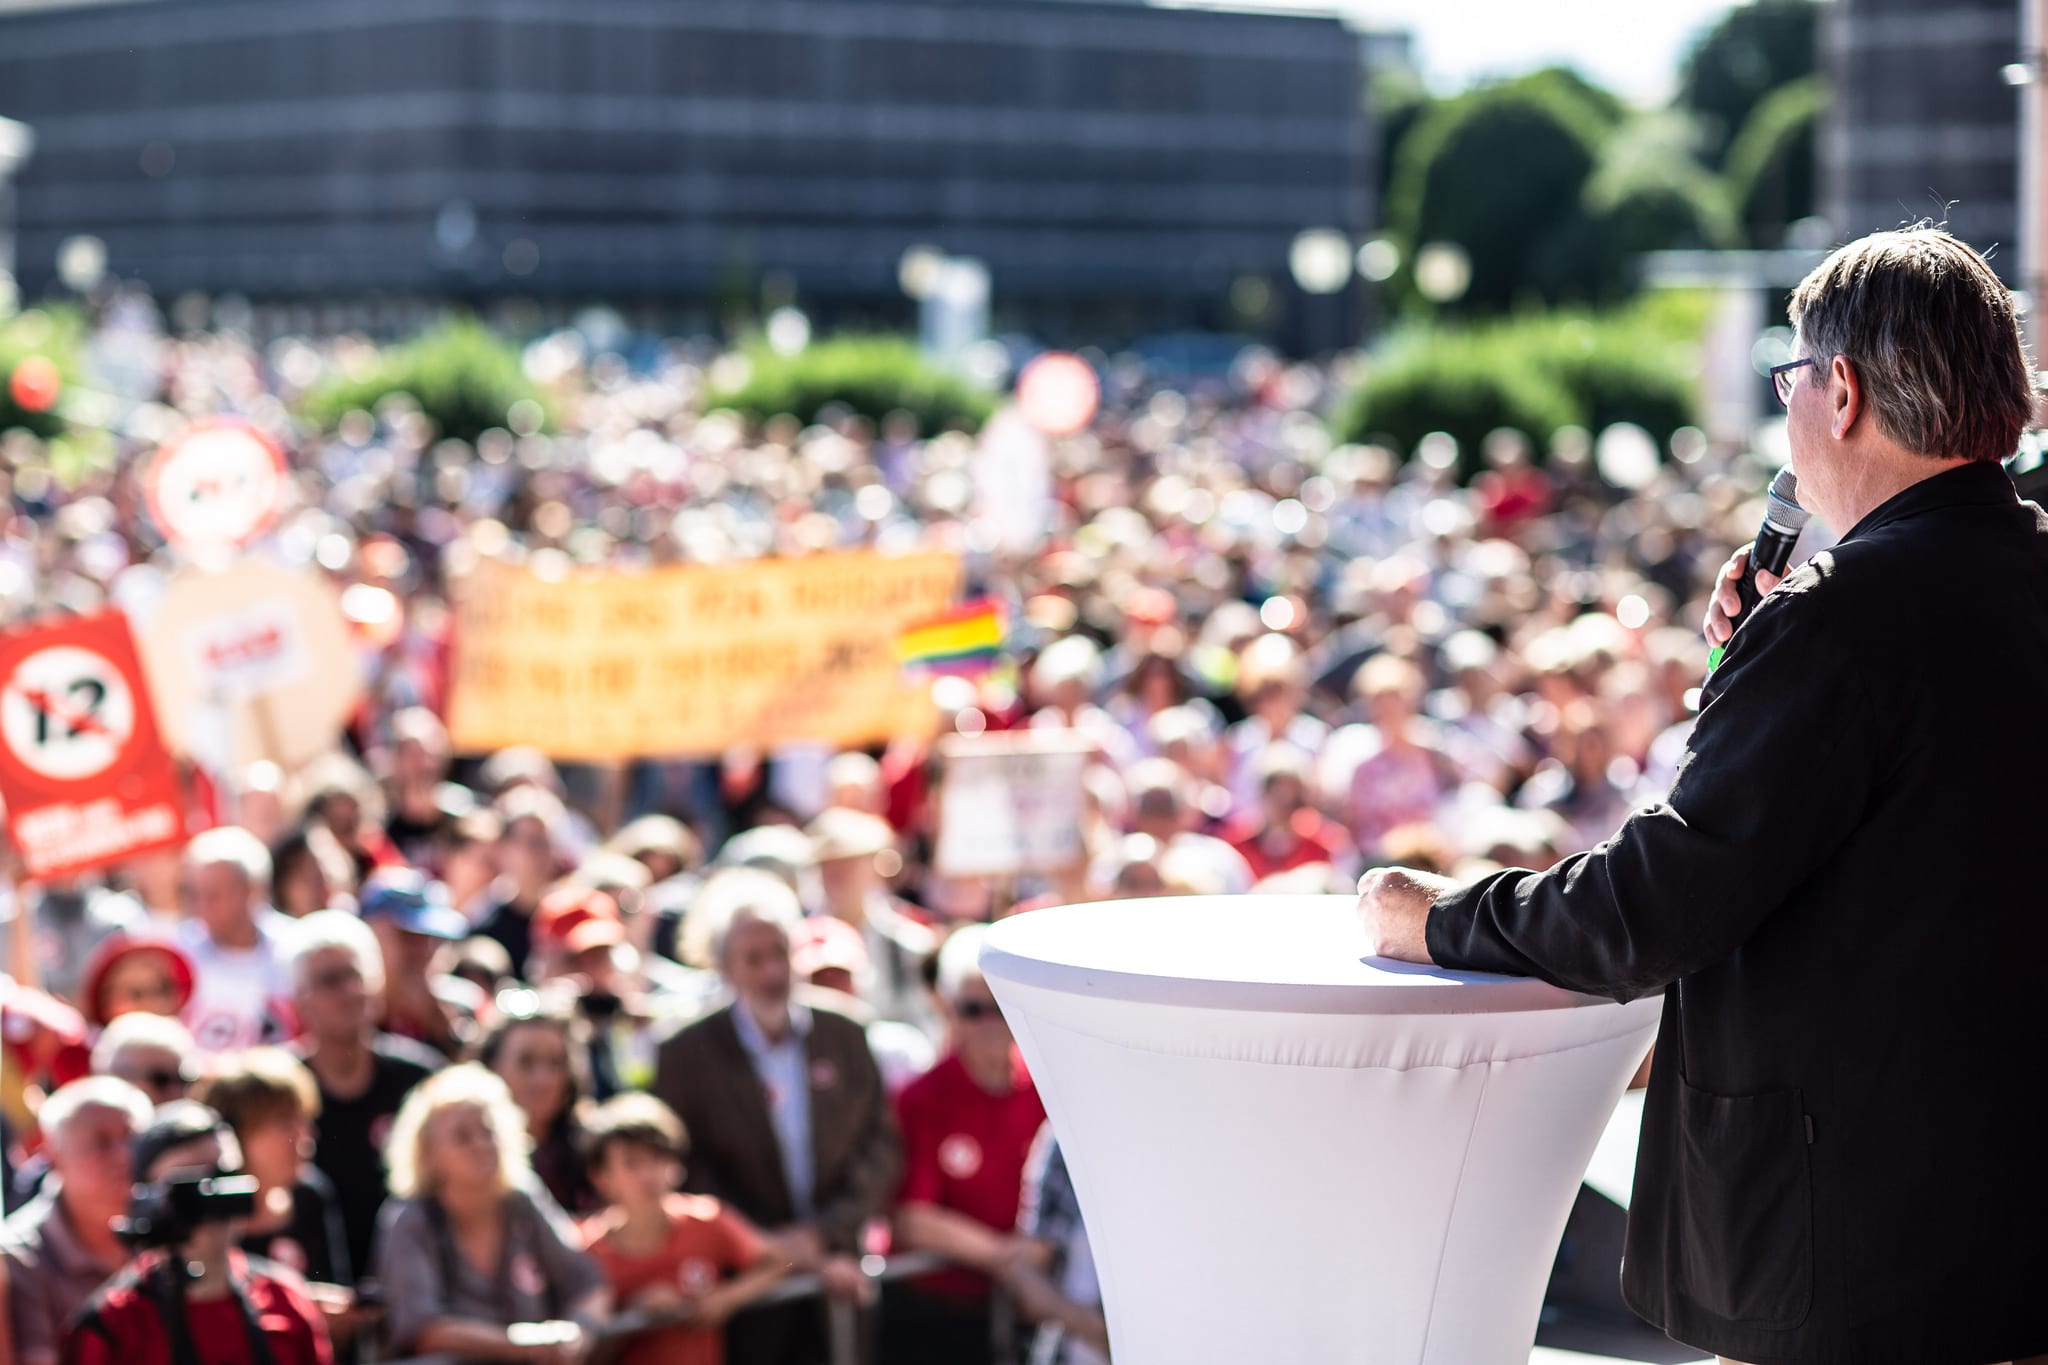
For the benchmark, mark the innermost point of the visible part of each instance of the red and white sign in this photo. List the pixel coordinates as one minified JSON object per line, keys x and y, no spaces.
{"x":1058,"y":393}
{"x":215,"y":488}
{"x":83,"y":771}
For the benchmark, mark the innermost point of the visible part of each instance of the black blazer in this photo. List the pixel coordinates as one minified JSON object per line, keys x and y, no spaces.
{"x":1841,"y":1157}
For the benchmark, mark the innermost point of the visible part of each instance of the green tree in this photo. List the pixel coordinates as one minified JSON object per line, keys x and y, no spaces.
{"x":1771,"y":167}
{"x":1499,"y":171}
{"x":1753,"y":50}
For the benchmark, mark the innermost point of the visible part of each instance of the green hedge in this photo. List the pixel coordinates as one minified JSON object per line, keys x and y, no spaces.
{"x":1533,"y":374}
{"x":874,"y":376}
{"x":463,"y":376}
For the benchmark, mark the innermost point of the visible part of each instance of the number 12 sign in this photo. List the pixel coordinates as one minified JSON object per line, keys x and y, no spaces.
{"x":83,"y":771}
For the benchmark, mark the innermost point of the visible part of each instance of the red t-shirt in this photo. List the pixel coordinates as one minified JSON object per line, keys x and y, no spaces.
{"x":707,"y":1242}
{"x":1314,"y":840}
{"x":964,"y":1149}
{"x":134,"y":1332}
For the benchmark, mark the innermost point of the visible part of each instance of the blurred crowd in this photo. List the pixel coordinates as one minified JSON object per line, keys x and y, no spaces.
{"x":513,"y":1047}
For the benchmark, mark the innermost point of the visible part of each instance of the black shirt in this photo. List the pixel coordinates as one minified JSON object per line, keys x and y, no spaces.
{"x":352,"y":1133}
{"x":315,"y":1242}
{"x":512,"y":927}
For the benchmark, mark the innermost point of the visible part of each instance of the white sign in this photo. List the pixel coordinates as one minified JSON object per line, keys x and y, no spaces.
{"x":216,"y":488}
{"x":1010,"y":803}
{"x":251,"y":652}
{"x":67,"y":714}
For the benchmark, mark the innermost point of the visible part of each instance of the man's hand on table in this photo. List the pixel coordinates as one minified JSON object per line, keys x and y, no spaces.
{"x":1393,"y":905}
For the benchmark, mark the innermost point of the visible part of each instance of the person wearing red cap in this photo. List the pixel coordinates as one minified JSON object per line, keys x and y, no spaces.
{"x":580,"y":936}
{"x":128,"y":975}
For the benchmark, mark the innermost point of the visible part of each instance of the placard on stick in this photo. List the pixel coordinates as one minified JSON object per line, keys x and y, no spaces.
{"x":1010,"y":803}
{"x":83,"y":769}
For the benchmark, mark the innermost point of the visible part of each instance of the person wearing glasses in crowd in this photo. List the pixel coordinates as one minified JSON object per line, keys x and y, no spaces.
{"x":362,"y":1075}
{"x":229,"y":1307}
{"x":968,"y":1125}
{"x":473,"y":1258}
{"x":61,"y":1247}
{"x":154,"y":1054}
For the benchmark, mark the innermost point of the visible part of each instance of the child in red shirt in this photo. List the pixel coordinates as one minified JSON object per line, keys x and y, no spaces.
{"x":667,"y":1254}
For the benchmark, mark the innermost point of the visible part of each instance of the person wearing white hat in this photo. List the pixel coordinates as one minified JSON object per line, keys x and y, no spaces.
{"x":850,"y":849}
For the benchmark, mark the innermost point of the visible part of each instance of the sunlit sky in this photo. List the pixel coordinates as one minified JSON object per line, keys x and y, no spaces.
{"x":1632,"y":47}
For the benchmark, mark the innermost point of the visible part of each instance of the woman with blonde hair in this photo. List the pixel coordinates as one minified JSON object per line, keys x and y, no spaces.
{"x":475,"y":1260}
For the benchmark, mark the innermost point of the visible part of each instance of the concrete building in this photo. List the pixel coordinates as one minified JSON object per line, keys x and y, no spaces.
{"x":1922,"y":123}
{"x":1118,"y":167}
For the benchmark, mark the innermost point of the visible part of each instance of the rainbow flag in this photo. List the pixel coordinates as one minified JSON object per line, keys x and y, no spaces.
{"x":966,"y":642}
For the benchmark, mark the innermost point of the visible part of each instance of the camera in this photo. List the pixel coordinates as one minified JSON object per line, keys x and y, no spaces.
{"x":167,"y":1212}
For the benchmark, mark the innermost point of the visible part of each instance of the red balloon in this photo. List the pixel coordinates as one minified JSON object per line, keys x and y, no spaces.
{"x":35,"y":384}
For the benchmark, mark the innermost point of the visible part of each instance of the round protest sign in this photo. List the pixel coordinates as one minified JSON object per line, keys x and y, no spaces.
{"x":216,"y":487}
{"x":1058,"y":393}
{"x":67,"y":715}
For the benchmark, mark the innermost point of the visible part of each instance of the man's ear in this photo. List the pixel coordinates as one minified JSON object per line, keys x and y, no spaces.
{"x":1845,"y":397}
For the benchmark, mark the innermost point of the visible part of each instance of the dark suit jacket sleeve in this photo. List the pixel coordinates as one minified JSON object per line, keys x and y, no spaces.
{"x":681,"y":1083}
{"x":1781,"y":766}
{"x":867,"y":1179}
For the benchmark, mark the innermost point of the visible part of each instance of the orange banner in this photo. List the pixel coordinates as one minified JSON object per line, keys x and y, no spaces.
{"x":615,"y":664}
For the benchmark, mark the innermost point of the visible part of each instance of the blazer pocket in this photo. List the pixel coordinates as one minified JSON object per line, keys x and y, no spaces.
{"x":1746,"y":1188}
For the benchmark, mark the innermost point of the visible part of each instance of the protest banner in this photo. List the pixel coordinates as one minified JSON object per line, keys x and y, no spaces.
{"x":215,"y":487}
{"x":1010,"y":803}
{"x":251,"y":664}
{"x":613,"y":664}
{"x":83,"y":771}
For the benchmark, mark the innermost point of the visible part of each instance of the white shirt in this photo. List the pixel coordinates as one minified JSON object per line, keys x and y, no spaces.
{"x":241,"y":996}
{"x":783,"y":1069}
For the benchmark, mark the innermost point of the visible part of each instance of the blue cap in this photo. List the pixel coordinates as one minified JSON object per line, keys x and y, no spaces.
{"x":413,"y":903}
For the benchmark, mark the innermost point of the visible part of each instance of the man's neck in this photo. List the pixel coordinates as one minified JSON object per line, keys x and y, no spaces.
{"x":240,"y":935}
{"x":95,"y":1234}
{"x":1883,"y":475}
{"x":774,"y":1025}
{"x":991,"y":1073}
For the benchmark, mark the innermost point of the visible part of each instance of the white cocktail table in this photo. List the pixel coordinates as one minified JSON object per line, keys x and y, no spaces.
{"x":1288,"y":1154}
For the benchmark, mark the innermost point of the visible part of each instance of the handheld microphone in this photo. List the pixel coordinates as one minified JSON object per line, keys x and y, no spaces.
{"x":1784,"y":519}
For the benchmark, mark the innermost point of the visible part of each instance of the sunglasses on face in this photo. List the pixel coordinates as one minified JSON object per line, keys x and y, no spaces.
{"x":977,"y":1009}
{"x":166,"y":1079}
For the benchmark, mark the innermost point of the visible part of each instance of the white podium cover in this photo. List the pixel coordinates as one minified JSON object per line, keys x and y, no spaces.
{"x":1288,"y":1153}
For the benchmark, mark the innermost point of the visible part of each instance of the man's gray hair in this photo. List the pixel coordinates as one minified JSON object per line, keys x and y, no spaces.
{"x":736,"y":896}
{"x":140,"y":1030}
{"x":336,"y":930}
{"x":93,"y":1092}
{"x":231,"y":846}
{"x":1933,"y":336}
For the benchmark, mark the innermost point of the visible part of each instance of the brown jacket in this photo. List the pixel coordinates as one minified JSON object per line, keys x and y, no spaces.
{"x":705,"y":1075}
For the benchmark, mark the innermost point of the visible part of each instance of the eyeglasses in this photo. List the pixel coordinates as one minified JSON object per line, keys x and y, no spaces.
{"x":976,"y":1009}
{"x":1784,"y":376}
